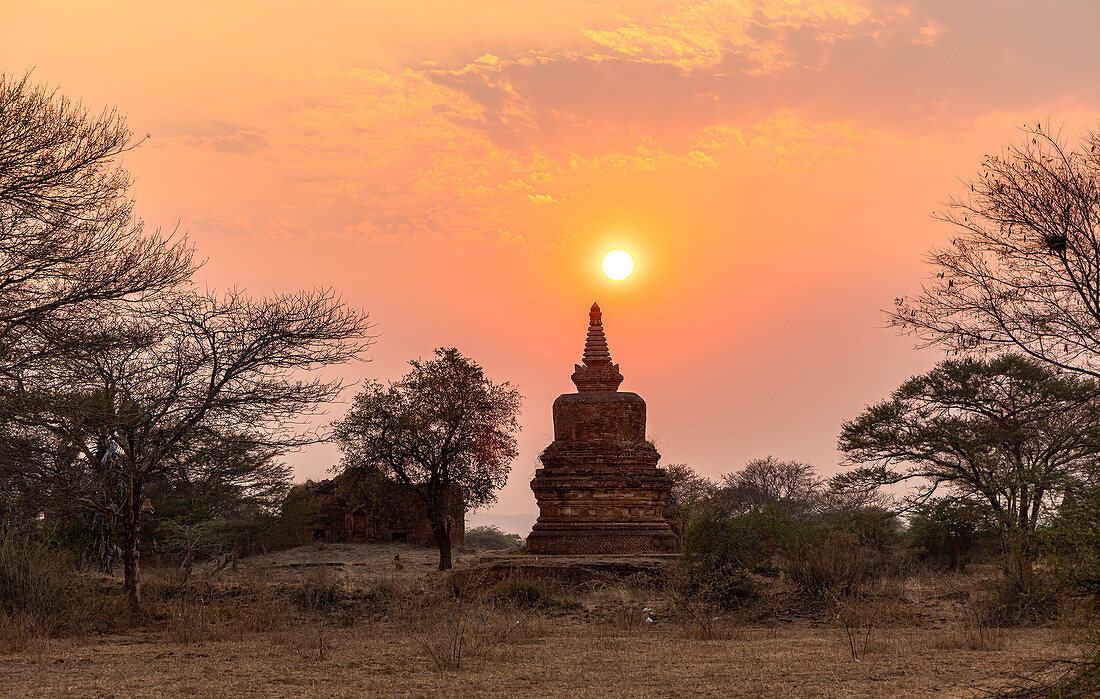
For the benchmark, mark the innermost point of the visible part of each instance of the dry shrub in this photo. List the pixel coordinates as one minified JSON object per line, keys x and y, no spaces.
{"x":20,"y":632}
{"x":387,"y":597}
{"x":702,"y":621}
{"x":194,"y":619}
{"x":858,"y":616}
{"x":630,"y":603}
{"x":42,"y":594}
{"x":319,"y":593}
{"x":1005,"y":604}
{"x":835,"y":565}
{"x":973,"y":630}
{"x":699,"y":609}
{"x":204,"y":609}
{"x":458,"y":631}
{"x":528,"y":592}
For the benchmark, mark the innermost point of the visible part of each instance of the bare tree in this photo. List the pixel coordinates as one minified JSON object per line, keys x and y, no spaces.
{"x":69,"y":246}
{"x":200,"y":369}
{"x":1023,"y":272}
{"x":1009,"y":432}
{"x":442,"y":430}
{"x":793,"y":486}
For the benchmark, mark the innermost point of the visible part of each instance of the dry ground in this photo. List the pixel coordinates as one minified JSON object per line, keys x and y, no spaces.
{"x":595,"y":643}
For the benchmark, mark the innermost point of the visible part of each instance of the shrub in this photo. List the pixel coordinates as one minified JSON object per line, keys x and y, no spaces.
{"x":319,"y":592}
{"x":1075,"y":540}
{"x":872,"y":527}
{"x":491,"y":537}
{"x":720,"y":552}
{"x":834,"y":563}
{"x":946,"y":531}
{"x":38,"y":585}
{"x":524,"y":593}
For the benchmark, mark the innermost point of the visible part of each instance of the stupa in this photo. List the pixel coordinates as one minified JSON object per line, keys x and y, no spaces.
{"x":599,"y":490}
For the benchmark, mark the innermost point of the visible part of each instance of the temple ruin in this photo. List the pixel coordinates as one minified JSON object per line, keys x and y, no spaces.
{"x":599,"y":490}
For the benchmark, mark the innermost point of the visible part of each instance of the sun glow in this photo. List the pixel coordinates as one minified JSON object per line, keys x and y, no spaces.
{"x":618,"y":265}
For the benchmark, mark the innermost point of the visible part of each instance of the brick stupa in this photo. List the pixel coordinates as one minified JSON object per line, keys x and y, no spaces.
{"x":599,"y":489}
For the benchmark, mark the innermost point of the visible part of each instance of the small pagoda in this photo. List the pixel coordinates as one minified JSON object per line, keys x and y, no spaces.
{"x":599,"y":490}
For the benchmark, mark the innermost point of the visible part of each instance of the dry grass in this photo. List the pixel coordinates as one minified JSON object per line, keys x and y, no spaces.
{"x":286,"y":630}
{"x":565,"y":659}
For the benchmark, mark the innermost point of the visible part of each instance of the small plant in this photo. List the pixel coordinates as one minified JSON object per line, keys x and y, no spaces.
{"x":40,"y":592}
{"x":524,"y":593}
{"x":458,"y":630}
{"x":946,"y":531}
{"x":320,"y":592}
{"x":857,"y":615}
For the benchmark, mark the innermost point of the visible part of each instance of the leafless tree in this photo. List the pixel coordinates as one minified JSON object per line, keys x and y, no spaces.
{"x":1024,"y":270}
{"x":223,"y":368}
{"x":69,"y":245}
{"x":791,"y":485}
{"x":689,"y":491}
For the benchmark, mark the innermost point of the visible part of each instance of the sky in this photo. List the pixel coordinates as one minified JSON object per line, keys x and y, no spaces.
{"x":458,"y":170}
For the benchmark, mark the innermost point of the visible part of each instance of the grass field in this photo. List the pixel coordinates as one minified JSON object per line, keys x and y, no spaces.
{"x":350,"y":620}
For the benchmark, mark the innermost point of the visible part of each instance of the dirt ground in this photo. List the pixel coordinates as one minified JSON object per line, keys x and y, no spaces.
{"x":605,"y":647}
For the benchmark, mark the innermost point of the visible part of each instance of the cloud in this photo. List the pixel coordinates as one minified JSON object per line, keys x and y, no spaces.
{"x":514,"y":135}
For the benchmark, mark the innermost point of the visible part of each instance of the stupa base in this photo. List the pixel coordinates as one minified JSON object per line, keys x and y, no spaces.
{"x":596,"y":538}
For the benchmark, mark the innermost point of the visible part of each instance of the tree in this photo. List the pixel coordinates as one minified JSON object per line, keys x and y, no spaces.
{"x":70,"y":249}
{"x":441,"y":428}
{"x":1009,"y":432}
{"x":689,"y":492}
{"x":201,"y":370}
{"x":791,"y":485}
{"x":217,"y":497}
{"x":1023,"y":273}
{"x":946,"y":530}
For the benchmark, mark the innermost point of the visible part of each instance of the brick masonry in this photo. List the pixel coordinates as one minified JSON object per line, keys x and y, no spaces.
{"x":599,"y":490}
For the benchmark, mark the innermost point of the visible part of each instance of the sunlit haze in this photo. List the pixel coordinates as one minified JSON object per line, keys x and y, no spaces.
{"x":459,"y":170}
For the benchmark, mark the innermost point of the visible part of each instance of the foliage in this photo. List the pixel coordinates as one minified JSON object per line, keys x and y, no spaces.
{"x":872,"y":527}
{"x":1076,"y":541}
{"x":114,"y":373}
{"x":492,"y":538}
{"x":441,"y":427}
{"x":209,"y":375}
{"x":1008,"y":432}
{"x":947,"y":531}
{"x":1021,"y":273}
{"x":689,"y":492}
{"x":37,"y":583}
{"x":721,"y":551}
{"x":834,"y":563}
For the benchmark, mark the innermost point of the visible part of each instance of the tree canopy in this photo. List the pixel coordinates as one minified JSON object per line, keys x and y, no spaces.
{"x":1023,"y":272}
{"x":114,"y":372}
{"x":442,"y":429}
{"x":70,"y":249}
{"x":1009,"y":432}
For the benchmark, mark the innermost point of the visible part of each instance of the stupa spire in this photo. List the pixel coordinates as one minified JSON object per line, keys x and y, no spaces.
{"x":597,"y":373}
{"x":595,"y":345}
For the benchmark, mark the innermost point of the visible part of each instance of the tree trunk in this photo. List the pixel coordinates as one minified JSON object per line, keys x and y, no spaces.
{"x":1019,"y":561}
{"x":441,"y":530}
{"x":131,"y":569}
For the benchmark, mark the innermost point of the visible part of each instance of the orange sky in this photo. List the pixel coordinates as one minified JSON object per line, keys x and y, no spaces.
{"x":459,"y":168}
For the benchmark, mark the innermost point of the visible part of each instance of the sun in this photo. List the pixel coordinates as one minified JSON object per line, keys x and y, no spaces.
{"x":618,"y":265}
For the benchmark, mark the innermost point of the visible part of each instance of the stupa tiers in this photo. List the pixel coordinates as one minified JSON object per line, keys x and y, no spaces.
{"x":599,"y":489}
